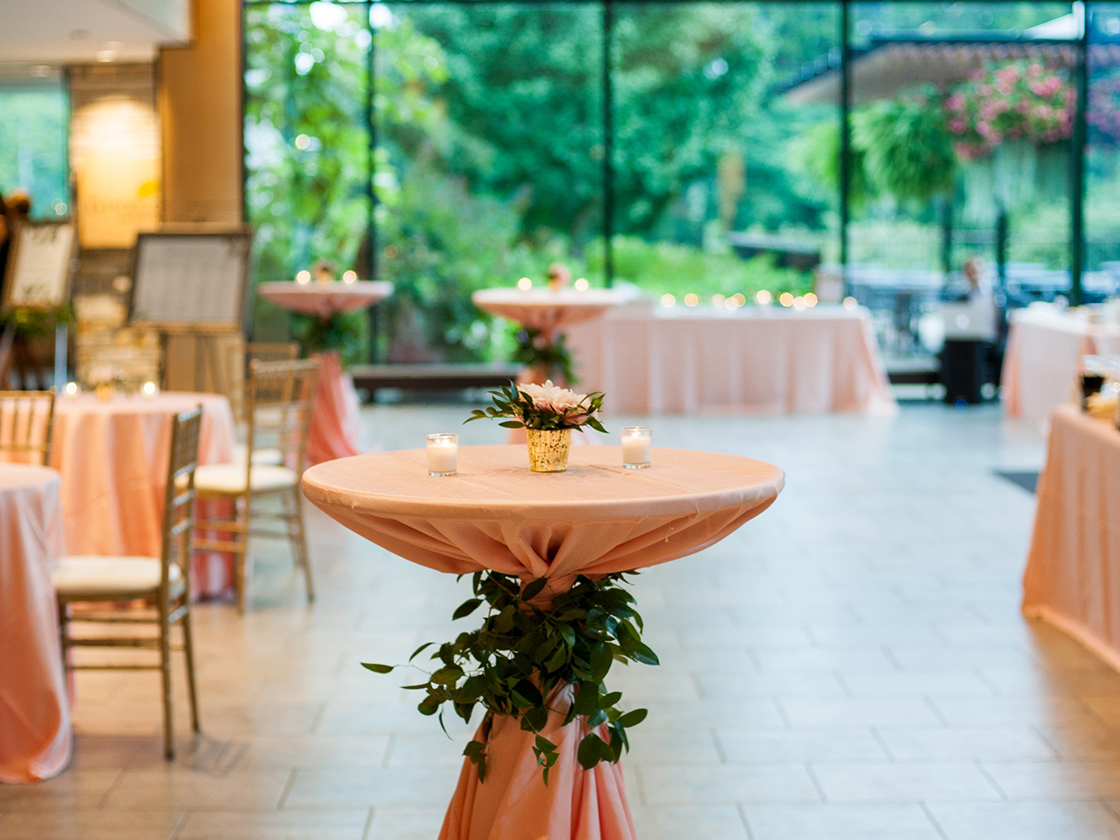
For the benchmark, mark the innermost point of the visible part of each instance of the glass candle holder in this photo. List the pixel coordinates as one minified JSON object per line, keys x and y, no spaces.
{"x":443,"y":454}
{"x":637,"y":447}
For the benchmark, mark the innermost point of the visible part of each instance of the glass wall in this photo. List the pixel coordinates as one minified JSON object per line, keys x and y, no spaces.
{"x":1102,"y":212}
{"x":690,"y":149}
{"x":713,"y":192}
{"x":490,"y":150}
{"x":34,"y":124}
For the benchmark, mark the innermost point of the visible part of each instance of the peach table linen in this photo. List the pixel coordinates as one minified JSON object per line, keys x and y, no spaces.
{"x":1072,"y":577}
{"x":1043,"y":358}
{"x":325,"y":299}
{"x":113,"y":459}
{"x":336,"y":413}
{"x":335,"y":417}
{"x":596,"y":518}
{"x":766,"y":360}
{"x":546,"y":310}
{"x":35,"y":735}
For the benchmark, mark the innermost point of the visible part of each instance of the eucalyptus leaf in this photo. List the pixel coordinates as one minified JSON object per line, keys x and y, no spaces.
{"x":378,"y":669}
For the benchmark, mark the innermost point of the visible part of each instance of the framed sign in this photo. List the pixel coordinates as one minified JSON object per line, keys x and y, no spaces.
{"x":38,"y":273}
{"x":190,"y":281}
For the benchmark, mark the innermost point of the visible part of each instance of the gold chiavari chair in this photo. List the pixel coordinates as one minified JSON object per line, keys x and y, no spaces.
{"x":279,"y":400}
{"x":26,"y":425}
{"x":102,"y":593}
{"x":241,"y":354}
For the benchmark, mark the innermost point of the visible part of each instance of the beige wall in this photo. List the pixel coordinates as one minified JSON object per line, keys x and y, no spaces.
{"x":200,"y":108}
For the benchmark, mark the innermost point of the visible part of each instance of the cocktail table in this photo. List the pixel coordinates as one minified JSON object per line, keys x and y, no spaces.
{"x":595,"y":519}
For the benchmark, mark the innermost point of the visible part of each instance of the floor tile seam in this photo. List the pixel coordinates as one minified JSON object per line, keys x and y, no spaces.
{"x":931,"y":704}
{"x":177,"y":829}
{"x":808,"y":765}
{"x":1058,"y":754}
{"x":933,"y":820}
{"x":288,"y":785}
{"x":991,"y":779}
{"x":741,"y":808}
{"x":366,"y":835}
{"x":882,"y":742}
{"x":113,"y":785}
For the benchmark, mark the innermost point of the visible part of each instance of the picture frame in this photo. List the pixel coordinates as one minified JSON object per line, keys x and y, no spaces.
{"x":40,"y":266}
{"x":190,"y":281}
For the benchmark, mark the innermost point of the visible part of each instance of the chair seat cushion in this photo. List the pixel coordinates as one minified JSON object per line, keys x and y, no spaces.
{"x":269,"y":457}
{"x":109,"y":575}
{"x":230,"y":478}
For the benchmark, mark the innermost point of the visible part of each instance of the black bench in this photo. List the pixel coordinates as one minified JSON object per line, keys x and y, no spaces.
{"x":433,"y":377}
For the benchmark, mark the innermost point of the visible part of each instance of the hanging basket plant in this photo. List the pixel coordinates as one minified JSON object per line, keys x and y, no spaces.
{"x":1020,"y":100}
{"x":907,"y":152}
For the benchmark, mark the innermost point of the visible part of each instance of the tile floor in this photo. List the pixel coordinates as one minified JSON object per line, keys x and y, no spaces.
{"x":851,"y":666}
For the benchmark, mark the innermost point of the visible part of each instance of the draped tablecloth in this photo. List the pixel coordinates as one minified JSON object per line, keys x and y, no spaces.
{"x":113,"y":459}
{"x":767,"y":360}
{"x":1072,"y":577}
{"x":325,"y":299}
{"x":547,"y":310}
{"x":35,"y":734}
{"x":335,"y":416}
{"x":1043,"y":358}
{"x":594,"y":519}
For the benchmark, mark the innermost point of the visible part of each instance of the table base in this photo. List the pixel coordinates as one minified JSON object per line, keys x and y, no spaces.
{"x":334,"y":418}
{"x":514,"y":803}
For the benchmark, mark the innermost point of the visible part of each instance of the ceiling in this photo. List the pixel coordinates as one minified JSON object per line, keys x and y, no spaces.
{"x":80,"y":31}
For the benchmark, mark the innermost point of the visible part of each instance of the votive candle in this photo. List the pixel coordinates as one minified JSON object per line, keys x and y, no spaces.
{"x":637,"y":447}
{"x":443,"y":454}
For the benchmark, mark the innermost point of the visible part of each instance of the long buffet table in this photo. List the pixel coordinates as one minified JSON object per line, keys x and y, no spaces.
{"x":1072,"y":577}
{"x":755,"y":359}
{"x":1043,"y":357}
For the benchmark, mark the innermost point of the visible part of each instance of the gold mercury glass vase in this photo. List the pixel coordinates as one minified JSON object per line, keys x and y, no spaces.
{"x":548,"y":449}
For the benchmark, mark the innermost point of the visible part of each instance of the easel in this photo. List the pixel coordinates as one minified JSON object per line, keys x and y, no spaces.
{"x":38,"y":279}
{"x":210,"y":372}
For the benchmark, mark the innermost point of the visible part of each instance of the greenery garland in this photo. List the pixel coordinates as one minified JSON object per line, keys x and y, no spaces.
{"x":513,"y":664}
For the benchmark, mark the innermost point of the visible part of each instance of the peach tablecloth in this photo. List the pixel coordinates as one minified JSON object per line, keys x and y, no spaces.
{"x":113,"y":459}
{"x":325,"y":299}
{"x":334,"y":419}
{"x":336,"y":413}
{"x":1043,"y":358}
{"x":35,"y":735}
{"x":596,"y":518}
{"x":546,"y":310}
{"x":769,"y":360}
{"x":1072,"y":577}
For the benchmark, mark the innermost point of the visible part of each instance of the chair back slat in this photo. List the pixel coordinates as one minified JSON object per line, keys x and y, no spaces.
{"x":280,"y":397}
{"x":242,"y":354}
{"x":26,"y":426}
{"x":179,"y":503}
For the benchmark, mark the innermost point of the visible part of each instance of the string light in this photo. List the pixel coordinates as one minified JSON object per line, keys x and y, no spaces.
{"x":524,"y":284}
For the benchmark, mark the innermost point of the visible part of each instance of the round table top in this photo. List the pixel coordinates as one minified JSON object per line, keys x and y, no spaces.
{"x":597,"y":517}
{"x":325,"y":299}
{"x":544,"y":309}
{"x":23,"y":476}
{"x":165,"y":402}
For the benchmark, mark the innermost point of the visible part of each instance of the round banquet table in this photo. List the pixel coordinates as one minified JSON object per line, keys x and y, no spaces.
{"x":113,"y":459}
{"x":35,"y":734}
{"x":334,"y":419}
{"x":594,"y":519}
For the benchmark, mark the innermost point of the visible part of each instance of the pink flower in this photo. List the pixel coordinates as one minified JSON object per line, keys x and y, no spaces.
{"x":957,"y":126}
{"x":955,"y":103}
{"x":985,"y":90}
{"x":983,"y":129}
{"x":550,"y":397}
{"x":1034,"y":70}
{"x":1023,"y":107}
